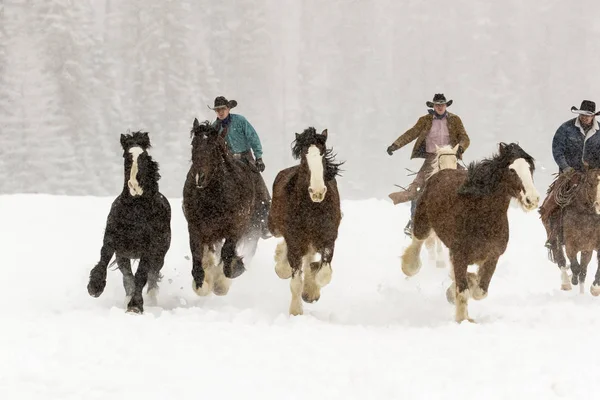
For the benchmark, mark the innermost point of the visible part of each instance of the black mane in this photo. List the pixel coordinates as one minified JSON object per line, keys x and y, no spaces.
{"x":310,"y":137}
{"x":483,"y":177}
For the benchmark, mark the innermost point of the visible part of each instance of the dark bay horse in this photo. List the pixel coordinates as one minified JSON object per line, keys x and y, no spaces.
{"x":305,"y":211}
{"x":581,"y":231}
{"x":138,"y":226}
{"x":468,"y":212}
{"x":218,"y":204}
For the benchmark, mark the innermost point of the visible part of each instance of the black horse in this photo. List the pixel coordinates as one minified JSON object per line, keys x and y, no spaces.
{"x":219,"y":205}
{"x":138,"y":226}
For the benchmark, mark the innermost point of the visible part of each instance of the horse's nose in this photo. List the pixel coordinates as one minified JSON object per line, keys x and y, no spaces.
{"x":317,"y":195}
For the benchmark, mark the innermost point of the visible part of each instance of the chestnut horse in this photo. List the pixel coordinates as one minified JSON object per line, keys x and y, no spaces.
{"x":306,"y":212}
{"x":468,"y":212}
{"x":445,"y":158}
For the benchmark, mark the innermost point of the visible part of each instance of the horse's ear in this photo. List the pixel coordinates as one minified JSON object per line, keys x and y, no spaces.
{"x":297,"y":135}
{"x":437,"y":147}
{"x":196,"y":123}
{"x":146,"y":139}
{"x":324,"y":133}
{"x":455,"y":148}
{"x":501,"y":147}
{"x":123,"y":140}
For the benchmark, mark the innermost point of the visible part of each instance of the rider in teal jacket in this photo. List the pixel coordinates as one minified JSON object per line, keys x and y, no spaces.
{"x":242,"y":140}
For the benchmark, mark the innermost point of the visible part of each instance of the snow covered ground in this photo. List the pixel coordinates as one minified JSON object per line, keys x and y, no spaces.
{"x":373,"y":335}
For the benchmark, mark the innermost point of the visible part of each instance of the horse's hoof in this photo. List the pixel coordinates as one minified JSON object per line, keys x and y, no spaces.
{"x":135,"y":310}
{"x":411,"y":268}
{"x":567,"y":286}
{"x":235,"y":269}
{"x":202,"y":290}
{"x":95,"y":288}
{"x":310,"y":299}
{"x":221,"y":288}
{"x":471,"y":320}
{"x":595,"y":290}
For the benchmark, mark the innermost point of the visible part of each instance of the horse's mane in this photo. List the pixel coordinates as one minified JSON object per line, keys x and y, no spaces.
{"x":204,"y":128}
{"x":310,"y":137}
{"x":483,"y":177}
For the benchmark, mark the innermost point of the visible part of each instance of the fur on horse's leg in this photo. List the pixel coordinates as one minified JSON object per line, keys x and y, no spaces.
{"x":296,"y":283}
{"x":97,"y":281}
{"x":233,"y":265}
{"x":595,"y":288}
{"x":128,"y":279}
{"x":323,"y":275}
{"x":204,"y":271}
{"x":565,"y":280}
{"x":153,"y":278}
{"x":440,"y":261}
{"x":311,"y":291}
{"x":411,"y":262}
{"x":221,"y":283}
{"x":136,"y":304}
{"x":282,"y":266}
{"x":430,"y":245}
{"x":586,"y":257}
{"x":483,"y":278}
{"x":462,"y":290}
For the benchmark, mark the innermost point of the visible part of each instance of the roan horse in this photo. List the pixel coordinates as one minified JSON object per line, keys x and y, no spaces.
{"x":445,"y":158}
{"x":306,"y":212}
{"x":218,"y":204}
{"x":581,"y":231}
{"x":468,"y":212}
{"x":138,"y":226}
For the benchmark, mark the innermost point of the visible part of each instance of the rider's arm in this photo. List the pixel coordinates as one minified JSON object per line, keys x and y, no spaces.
{"x":253,"y":139}
{"x":410,"y":134}
{"x":559,"y":147}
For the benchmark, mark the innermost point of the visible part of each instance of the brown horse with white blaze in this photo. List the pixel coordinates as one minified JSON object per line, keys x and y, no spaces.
{"x":468,"y":212}
{"x":306,"y":212}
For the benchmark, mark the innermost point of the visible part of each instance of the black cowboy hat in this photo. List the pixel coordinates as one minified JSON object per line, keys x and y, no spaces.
{"x":588,"y":107}
{"x":222,"y":102}
{"x":439,"y":98}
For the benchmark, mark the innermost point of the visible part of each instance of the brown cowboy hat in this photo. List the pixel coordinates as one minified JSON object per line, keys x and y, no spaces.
{"x":588,"y":107}
{"x":439,"y":98}
{"x":222,"y":102}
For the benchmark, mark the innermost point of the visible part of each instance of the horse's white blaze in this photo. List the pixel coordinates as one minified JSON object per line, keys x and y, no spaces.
{"x":197,"y":178}
{"x":317,"y":186}
{"x":530,"y":198}
{"x":134,"y":187}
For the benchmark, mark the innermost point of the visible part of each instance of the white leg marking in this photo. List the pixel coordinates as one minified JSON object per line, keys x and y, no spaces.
{"x":323,"y":277}
{"x":282,"y":266}
{"x":152,"y":297}
{"x":209,"y":265}
{"x":565,"y":280}
{"x":411,"y":262}
{"x":595,"y":290}
{"x":296,"y":289}
{"x":221,"y":283}
{"x":134,"y":187}
{"x":462,"y":312}
{"x":581,"y":287}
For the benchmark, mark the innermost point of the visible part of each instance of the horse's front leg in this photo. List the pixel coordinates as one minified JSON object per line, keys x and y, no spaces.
{"x":124,"y":264}
{"x":478,"y":287}
{"x":136,"y":304}
{"x":586,"y":257}
{"x":201,"y":259}
{"x":233,"y":265}
{"x":97,"y":281}
{"x":460,"y":266}
{"x":595,"y":288}
{"x":574,"y":264}
{"x":296,"y":283}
